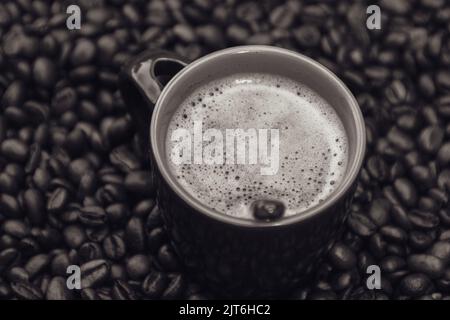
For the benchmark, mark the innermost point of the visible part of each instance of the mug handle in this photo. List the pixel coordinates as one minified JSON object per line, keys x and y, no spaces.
{"x":141,"y":81}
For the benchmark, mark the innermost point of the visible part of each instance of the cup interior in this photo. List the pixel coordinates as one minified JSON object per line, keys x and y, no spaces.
{"x":260,"y":59}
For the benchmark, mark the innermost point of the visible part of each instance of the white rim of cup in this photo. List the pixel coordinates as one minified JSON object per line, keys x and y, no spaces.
{"x":196,"y":204}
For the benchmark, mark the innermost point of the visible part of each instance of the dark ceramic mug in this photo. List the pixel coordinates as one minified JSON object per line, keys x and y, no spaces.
{"x":237,"y":257}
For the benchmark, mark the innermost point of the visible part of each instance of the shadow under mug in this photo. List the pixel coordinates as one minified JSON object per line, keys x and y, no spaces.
{"x":237,"y":257}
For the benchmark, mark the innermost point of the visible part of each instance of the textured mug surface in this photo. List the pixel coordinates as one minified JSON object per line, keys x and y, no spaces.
{"x":237,"y":257}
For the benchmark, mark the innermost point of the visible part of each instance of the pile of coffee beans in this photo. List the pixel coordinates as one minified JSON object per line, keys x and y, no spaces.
{"x":74,"y":187}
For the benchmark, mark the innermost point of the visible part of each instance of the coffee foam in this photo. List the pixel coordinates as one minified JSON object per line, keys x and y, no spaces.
{"x":313,"y":143}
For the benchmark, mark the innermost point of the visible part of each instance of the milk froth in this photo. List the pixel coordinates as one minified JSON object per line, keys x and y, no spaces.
{"x":312,"y":143}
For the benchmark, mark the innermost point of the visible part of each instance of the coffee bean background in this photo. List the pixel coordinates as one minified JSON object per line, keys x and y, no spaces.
{"x":74,"y":188}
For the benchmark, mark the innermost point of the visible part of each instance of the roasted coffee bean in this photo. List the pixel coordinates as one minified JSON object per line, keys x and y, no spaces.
{"x":37,"y":264}
{"x":5,"y":291}
{"x":92,"y":216}
{"x":57,"y":290}
{"x":138,"y":266}
{"x":74,"y":236}
{"x":9,"y":206}
{"x":8,"y":258}
{"x":83,"y":53}
{"x":76,"y":142}
{"x":415,"y":285}
{"x":14,"y":95}
{"x":155,"y":284}
{"x":15,"y":228}
{"x":60,"y":183}
{"x":124,"y":160}
{"x":430,"y":139}
{"x":361,"y":225}
{"x":444,"y":180}
{"x":307,"y":36}
{"x":114,"y":247}
{"x":15,"y":150}
{"x":123,"y":291}
{"x":64,"y":100}
{"x":154,"y":217}
{"x":97,"y":234}
{"x":8,"y":184}
{"x":155,"y":238}
{"x":118,"y":272}
{"x":78,"y":168}
{"x":88,"y":111}
{"x":90,"y":251}
{"x":167,"y":258}
{"x":445,"y":235}
{"x":400,"y":139}
{"x":444,"y":217}
{"x":185,"y":33}
{"x":175,"y":287}
{"x":428,"y":264}
{"x":7,"y":241}
{"x":16,"y":171}
{"x":423,"y":175}
{"x":112,"y":178}
{"x":419,"y":240}
{"x":237,"y":34}
{"x":441,"y":250}
{"x":396,"y":92}
{"x":34,"y":159}
{"x":430,"y":115}
{"x":377,"y":245}
{"x":443,"y":79}
{"x":26,"y":291}
{"x":89,"y":294}
{"x":406,"y":191}
{"x":88,"y":184}
{"x":104,"y":293}
{"x":282,"y":16}
{"x":408,"y":122}
{"x":268,"y":210}
{"x":424,"y":220}
{"x":135,"y":235}
{"x":379,"y":211}
{"x":443,"y":155}
{"x":426,"y":85}
{"x":107,"y":47}
{"x":110,"y":193}
{"x":18,"y":274}
{"x":57,"y":200}
{"x":343,"y":281}
{"x":211,"y":35}
{"x":117,"y":212}
{"x":342,"y":257}
{"x":59,"y":264}
{"x":395,"y":249}
{"x":35,"y":206}
{"x":427,"y":204}
{"x":392,"y":263}
{"x":44,"y":72}
{"x":365,"y":260}
{"x":394,"y":234}
{"x":94,"y":273}
{"x":140,"y":182}
{"x":249,"y":12}
{"x":16,"y":117}
{"x":29,"y":246}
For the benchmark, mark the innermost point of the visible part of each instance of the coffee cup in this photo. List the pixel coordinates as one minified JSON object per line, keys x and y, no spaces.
{"x":235,"y":256}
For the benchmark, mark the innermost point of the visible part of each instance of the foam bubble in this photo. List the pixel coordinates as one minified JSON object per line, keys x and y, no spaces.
{"x":313,"y":143}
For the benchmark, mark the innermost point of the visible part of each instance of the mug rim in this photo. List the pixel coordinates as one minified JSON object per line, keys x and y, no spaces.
{"x":196,"y":204}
